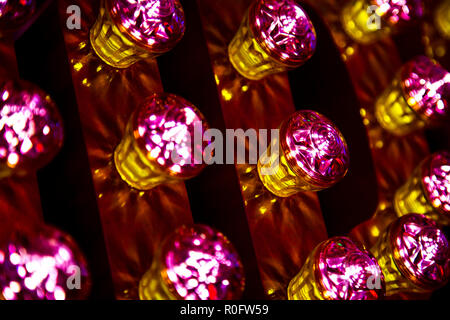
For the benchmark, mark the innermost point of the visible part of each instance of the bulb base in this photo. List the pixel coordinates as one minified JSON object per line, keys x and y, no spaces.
{"x":111,"y":45}
{"x":394,"y":113}
{"x":304,"y":285}
{"x":134,"y":167}
{"x":360,"y":25}
{"x":249,"y":57}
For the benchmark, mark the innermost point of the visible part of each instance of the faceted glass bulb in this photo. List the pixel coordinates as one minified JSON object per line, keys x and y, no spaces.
{"x":417,"y":98}
{"x":194,"y":263}
{"x":414,"y":255}
{"x":163,"y":143}
{"x":338,"y":269}
{"x":44,"y":264}
{"x":427,"y":191}
{"x":275,"y":36}
{"x":31,"y":129}
{"x":313,"y":156}
{"x":127,"y":31}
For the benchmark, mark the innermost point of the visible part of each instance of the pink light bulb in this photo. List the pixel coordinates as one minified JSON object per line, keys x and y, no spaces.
{"x":127,"y":31}
{"x":31,"y":130}
{"x":42,"y":265}
{"x":163,"y":143}
{"x":285,"y":30}
{"x":155,"y":24}
{"x":421,"y":251}
{"x":275,"y":36}
{"x":195,"y":263}
{"x":339,"y":269}
{"x":426,"y":86}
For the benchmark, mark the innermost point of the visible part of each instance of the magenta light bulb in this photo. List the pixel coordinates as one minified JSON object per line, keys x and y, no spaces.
{"x":338,"y":269}
{"x":194,"y":263}
{"x":414,"y":255}
{"x":44,"y":264}
{"x":31,"y":130}
{"x":128,"y":30}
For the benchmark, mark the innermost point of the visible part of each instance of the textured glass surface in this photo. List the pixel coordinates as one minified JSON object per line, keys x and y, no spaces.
{"x":421,"y":251}
{"x":313,"y":156}
{"x":426,"y":86}
{"x":127,"y":31}
{"x":164,"y":138}
{"x":43,"y":265}
{"x":275,"y":36}
{"x":427,"y":191}
{"x":157,"y":24}
{"x":195,"y":263}
{"x":342,"y":270}
{"x":31,"y":130}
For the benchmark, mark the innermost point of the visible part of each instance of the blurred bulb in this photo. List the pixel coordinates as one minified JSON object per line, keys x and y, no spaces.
{"x":127,"y":31}
{"x":275,"y":36}
{"x":44,"y":264}
{"x":14,"y":13}
{"x":338,"y":269}
{"x":417,"y":98}
{"x":367,"y":21}
{"x":194,"y":263}
{"x":163,"y":143}
{"x":31,"y":130}
{"x":313,"y":156}
{"x":442,"y":19}
{"x":414,"y":255}
{"x":427,"y":191}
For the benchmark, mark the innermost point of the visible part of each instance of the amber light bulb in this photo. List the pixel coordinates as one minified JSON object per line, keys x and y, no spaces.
{"x":14,"y":14}
{"x":313,"y":155}
{"x":414,"y":255}
{"x":359,"y":17}
{"x":43,"y":264}
{"x":427,"y":191}
{"x":338,"y":269}
{"x":127,"y":31}
{"x":417,"y":98}
{"x":442,"y":18}
{"x":31,"y":130}
{"x":163,"y":143}
{"x":275,"y":36}
{"x":194,"y":263}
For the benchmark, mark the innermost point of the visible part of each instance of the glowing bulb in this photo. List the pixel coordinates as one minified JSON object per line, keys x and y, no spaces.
{"x":275,"y":36}
{"x":313,"y":156}
{"x":44,"y":264}
{"x":14,"y":14}
{"x":31,"y":131}
{"x":194,"y":263}
{"x":417,"y":98}
{"x":427,"y":191}
{"x":367,"y":21}
{"x":338,"y":269}
{"x":414,"y":255}
{"x":163,"y":143}
{"x":127,"y":31}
